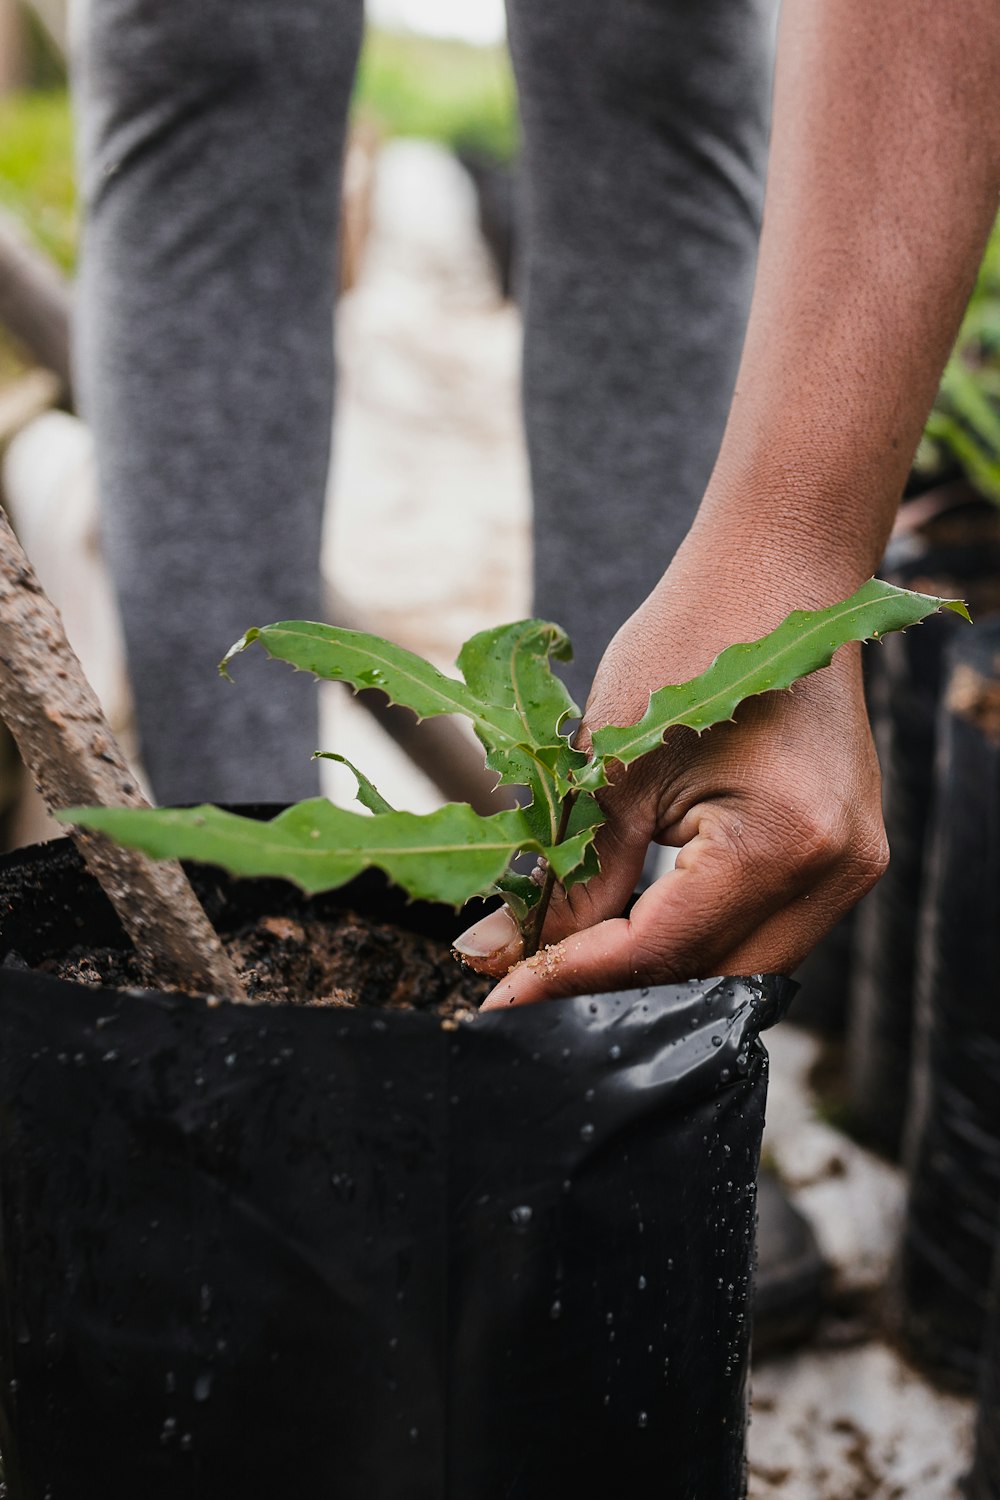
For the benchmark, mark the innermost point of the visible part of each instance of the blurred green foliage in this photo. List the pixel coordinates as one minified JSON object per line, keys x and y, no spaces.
{"x":36,"y":169}
{"x":460,"y":95}
{"x":964,"y":426}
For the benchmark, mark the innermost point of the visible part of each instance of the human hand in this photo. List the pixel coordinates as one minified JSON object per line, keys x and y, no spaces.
{"x":777,"y":814}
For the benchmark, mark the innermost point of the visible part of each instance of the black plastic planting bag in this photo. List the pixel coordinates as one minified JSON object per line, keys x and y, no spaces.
{"x":957,"y":555}
{"x":955,"y":1153}
{"x":984,"y":1483}
{"x":364,"y":1254}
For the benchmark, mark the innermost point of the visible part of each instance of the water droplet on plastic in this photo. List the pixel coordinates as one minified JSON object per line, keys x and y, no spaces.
{"x":187,"y":1442}
{"x":642,"y":1283}
{"x":716,"y":1041}
{"x":643,"y":1419}
{"x":614,"y":1052}
{"x":588,"y":1097}
{"x":555,"y":1311}
{"x":203,"y":1385}
{"x":230,"y":1059}
{"x":414,"y":1434}
{"x":725,"y":1075}
{"x":170,"y":1382}
{"x":520,"y":1216}
{"x":587,"y":1132}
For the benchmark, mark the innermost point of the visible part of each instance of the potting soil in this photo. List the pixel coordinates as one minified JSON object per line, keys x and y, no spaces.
{"x":343,"y":959}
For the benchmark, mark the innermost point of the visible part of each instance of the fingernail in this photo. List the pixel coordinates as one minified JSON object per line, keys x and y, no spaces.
{"x":488,"y":937}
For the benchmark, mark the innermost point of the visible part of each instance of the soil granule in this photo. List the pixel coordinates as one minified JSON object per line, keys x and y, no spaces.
{"x":342,"y":960}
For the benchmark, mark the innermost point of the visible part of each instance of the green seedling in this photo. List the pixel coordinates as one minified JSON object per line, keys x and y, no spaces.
{"x":519,"y":710}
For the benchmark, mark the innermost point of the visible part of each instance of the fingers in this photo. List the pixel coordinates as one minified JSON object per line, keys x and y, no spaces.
{"x":721,"y":911}
{"x":673,"y":932}
{"x":570,"y":967}
{"x":494,"y":944}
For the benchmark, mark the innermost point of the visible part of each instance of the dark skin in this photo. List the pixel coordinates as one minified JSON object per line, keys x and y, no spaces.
{"x":884,"y":182}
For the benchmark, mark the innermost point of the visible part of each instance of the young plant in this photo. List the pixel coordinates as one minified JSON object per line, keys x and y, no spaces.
{"x":518,"y":709}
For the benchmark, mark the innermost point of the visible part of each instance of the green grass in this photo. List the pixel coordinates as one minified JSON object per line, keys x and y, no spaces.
{"x":443,"y":91}
{"x":36,"y":169}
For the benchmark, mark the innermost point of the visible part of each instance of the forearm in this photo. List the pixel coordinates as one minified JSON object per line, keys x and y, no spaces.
{"x":883,"y":184}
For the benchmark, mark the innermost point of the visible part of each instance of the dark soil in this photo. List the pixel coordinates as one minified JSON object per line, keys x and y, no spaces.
{"x":344,"y":960}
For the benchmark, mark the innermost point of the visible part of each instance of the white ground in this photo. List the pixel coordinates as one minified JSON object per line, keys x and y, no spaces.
{"x":429,"y":536}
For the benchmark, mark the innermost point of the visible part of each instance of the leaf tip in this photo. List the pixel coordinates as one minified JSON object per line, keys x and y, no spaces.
{"x":244,"y":641}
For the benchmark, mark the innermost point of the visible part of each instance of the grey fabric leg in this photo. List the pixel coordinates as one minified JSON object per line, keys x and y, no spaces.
{"x":645,"y":131}
{"x":211,"y":136}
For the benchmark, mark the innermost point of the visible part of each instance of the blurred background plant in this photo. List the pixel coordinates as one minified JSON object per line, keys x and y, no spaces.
{"x":456,"y":93}
{"x":963,"y":430}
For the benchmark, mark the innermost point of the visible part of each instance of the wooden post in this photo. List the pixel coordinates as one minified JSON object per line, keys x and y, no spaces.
{"x":68,"y":745}
{"x":34,"y":301}
{"x":11,"y":47}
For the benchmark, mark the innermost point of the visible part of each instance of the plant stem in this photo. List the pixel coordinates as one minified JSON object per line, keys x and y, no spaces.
{"x":533,"y":936}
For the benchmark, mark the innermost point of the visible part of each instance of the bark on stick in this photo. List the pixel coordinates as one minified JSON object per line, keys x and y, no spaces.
{"x":68,"y":746}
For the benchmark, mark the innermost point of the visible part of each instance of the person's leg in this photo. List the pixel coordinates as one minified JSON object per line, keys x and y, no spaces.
{"x":211,"y":137}
{"x":645,"y":129}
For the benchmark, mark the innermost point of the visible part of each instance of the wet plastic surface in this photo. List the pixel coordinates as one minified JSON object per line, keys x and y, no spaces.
{"x":261,"y":1251}
{"x":954,"y":1199}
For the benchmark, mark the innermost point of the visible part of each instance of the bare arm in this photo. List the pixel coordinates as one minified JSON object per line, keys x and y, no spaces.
{"x":883,"y":184}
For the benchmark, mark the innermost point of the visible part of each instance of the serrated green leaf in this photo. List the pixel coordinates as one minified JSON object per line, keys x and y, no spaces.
{"x":509,"y":666}
{"x":447,"y":855}
{"x":802,"y":643}
{"x":368,"y":661}
{"x":368,"y":793}
{"x":510,"y":696}
{"x":521,"y":895}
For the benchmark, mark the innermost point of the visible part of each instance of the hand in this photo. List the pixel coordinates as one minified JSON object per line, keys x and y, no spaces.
{"x":777,"y":814}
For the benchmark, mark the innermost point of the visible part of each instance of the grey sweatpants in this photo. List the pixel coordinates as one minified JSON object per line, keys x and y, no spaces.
{"x":210,"y":135}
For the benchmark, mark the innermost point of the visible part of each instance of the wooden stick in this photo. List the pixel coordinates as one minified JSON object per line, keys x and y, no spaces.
{"x":67,"y":744}
{"x":34,"y":301}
